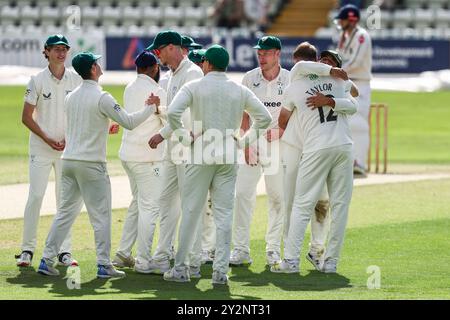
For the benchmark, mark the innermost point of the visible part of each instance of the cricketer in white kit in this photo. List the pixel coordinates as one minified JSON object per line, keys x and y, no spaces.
{"x":143,"y":166}
{"x":355,"y":47}
{"x":217,"y":103}
{"x":167,"y":46}
{"x":268,"y":82}
{"x":84,"y":174}
{"x":43,"y":114}
{"x":327,"y":158}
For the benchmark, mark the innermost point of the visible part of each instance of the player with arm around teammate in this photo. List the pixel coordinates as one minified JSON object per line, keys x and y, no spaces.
{"x":327,"y":159}
{"x":84,"y":174}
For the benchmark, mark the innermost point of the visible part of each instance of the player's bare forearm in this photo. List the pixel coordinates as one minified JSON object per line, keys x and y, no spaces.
{"x":245,"y":124}
{"x":283,"y":118}
{"x":319,"y":100}
{"x":339,"y":74}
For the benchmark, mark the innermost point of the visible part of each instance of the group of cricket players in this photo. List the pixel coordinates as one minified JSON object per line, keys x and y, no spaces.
{"x":194,"y":146}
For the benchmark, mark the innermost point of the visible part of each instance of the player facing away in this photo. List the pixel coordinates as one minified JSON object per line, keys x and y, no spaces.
{"x":167,"y":46}
{"x":142,"y":165}
{"x":84,"y":174}
{"x":323,"y":104}
{"x":43,"y":114}
{"x":268,"y":82}
{"x":291,"y":151}
{"x":355,"y":48}
{"x":218,"y":104}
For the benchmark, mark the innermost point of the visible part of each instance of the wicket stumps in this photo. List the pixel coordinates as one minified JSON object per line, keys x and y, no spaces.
{"x":377,"y":107}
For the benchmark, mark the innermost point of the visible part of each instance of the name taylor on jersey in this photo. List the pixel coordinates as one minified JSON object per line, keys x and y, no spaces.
{"x":319,"y":88}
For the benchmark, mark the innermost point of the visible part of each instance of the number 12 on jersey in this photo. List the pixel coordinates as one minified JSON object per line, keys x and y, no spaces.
{"x":330,"y":116}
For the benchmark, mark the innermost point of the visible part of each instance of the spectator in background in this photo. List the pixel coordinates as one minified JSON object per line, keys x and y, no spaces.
{"x":256,"y":14}
{"x":229,"y":13}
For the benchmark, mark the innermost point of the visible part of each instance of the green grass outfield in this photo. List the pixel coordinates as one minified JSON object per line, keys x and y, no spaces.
{"x":419,"y":130}
{"x":401,"y":228}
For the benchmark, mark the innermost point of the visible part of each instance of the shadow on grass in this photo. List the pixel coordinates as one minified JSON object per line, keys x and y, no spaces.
{"x":133,"y":286}
{"x":313,"y":281}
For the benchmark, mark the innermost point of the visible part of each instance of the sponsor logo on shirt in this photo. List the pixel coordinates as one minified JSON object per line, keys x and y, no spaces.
{"x":256,"y":84}
{"x":313,"y":77}
{"x":272,"y":104}
{"x":47,"y":96}
{"x":27,"y":92}
{"x":117,"y":107}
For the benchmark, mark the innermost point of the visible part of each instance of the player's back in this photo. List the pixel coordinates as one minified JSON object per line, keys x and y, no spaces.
{"x":321,"y":127}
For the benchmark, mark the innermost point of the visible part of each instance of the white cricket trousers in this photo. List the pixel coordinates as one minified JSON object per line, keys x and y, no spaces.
{"x":209,"y":229}
{"x":169,"y":211}
{"x":290,"y":158}
{"x":39,"y":171}
{"x":220,"y":180}
{"x":140,"y":223}
{"x":333,"y":167}
{"x":246,"y":183}
{"x":88,"y":181}
{"x":359,"y":123}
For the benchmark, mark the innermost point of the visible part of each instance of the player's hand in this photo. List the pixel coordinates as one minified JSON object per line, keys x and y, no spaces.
{"x":153,"y":100}
{"x":319,"y":100}
{"x":338,"y":73}
{"x":274,"y":134}
{"x":155,"y":141}
{"x":114,"y":128}
{"x":251,"y":156}
{"x":56,"y":145}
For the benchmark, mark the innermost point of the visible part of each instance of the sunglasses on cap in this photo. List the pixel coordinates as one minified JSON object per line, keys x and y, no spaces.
{"x":158,"y":51}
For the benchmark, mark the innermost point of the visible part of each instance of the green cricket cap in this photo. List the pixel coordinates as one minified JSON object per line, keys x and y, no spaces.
{"x":55,"y":40}
{"x":83,"y":61}
{"x":189,"y":43}
{"x":196,"y":55}
{"x":268,"y":42}
{"x":165,"y":38}
{"x":217,"y":56}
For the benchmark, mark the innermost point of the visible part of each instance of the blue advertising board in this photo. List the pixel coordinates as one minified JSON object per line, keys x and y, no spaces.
{"x":389,"y":56}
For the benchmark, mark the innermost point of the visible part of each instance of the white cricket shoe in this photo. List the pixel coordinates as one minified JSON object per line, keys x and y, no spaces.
{"x":181,"y":275}
{"x":207,"y":256}
{"x":272,"y":257}
{"x":240,"y":258}
{"x":329,"y":266}
{"x":108,"y":271}
{"x":24,"y":259}
{"x":122,"y":261}
{"x":155,"y":266}
{"x":358,"y":170}
{"x":142,"y":267}
{"x":219,"y":278}
{"x":315,"y":260}
{"x":194,"y":272}
{"x":66,"y":260}
{"x":286,"y":266}
{"x":46,"y":268}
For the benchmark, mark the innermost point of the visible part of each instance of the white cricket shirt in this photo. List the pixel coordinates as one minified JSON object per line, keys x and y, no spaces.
{"x":356,"y":53}
{"x":218,"y":103}
{"x":134,"y":145}
{"x":88,"y":110}
{"x":269,"y":92}
{"x":47,"y":93}
{"x":323,"y":127}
